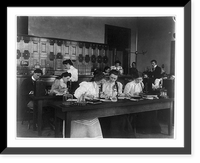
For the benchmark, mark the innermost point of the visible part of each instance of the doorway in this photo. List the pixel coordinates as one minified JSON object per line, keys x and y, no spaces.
{"x":119,"y":41}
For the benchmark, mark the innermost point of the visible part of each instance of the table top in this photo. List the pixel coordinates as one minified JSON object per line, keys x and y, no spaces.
{"x":48,"y":97}
{"x":119,"y":103}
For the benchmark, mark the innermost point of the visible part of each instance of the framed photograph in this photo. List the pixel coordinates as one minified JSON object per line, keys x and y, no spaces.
{"x":180,"y":144}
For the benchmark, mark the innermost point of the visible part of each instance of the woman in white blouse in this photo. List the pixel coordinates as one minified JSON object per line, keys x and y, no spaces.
{"x":112,"y":88}
{"x":115,"y":126}
{"x":59,"y":86}
{"x":88,"y":128}
{"x":134,"y":87}
{"x":117,"y":67}
{"x":71,"y":69}
{"x":145,"y":122}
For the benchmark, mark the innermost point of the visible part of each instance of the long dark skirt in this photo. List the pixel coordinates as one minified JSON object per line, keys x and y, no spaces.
{"x":117,"y":127}
{"x":147,"y":122}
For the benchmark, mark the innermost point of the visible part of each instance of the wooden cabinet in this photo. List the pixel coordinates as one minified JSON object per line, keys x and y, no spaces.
{"x":49,"y":53}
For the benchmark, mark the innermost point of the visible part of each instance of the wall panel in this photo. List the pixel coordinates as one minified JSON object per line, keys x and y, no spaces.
{"x":49,"y":54}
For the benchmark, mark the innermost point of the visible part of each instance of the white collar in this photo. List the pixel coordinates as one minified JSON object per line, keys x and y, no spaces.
{"x":33,"y":78}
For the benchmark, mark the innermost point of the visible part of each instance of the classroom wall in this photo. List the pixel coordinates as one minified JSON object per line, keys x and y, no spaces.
{"x":155,"y":36}
{"x":91,"y":29}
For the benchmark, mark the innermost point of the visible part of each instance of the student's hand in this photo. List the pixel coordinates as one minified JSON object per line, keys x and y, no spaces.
{"x":89,"y":97}
{"x":104,"y":96}
{"x":31,"y":92}
{"x":121,"y":94}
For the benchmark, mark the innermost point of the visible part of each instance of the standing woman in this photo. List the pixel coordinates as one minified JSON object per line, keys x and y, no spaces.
{"x":71,"y":69}
{"x":88,"y":128}
{"x":73,"y":83}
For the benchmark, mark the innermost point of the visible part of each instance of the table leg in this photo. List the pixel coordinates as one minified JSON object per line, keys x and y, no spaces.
{"x":57,"y":126}
{"x":67,"y":125}
{"x":34,"y":115}
{"x":134,"y":123}
{"x":40,"y":118}
{"x":63,"y":128}
{"x":170,"y":118}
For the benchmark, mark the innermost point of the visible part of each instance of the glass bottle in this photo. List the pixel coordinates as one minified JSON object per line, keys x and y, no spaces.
{"x":114,"y":91}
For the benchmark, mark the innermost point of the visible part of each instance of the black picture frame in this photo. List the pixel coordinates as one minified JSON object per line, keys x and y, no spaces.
{"x":128,"y":151}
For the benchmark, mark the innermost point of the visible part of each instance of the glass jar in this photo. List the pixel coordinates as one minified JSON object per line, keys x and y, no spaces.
{"x":66,"y":98}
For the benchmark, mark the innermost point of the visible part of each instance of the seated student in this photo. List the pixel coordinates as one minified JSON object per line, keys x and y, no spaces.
{"x":106,"y":70}
{"x":112,"y":85}
{"x":115,"y":126}
{"x":133,"y":70}
{"x":117,"y":67}
{"x":88,"y":128}
{"x":59,"y":86}
{"x":27,"y":88}
{"x":95,"y":71}
{"x":134,"y":87}
{"x":146,"y":122}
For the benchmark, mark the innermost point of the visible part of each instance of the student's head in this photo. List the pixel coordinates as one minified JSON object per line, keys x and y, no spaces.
{"x":113,"y":75}
{"x":67,"y":63}
{"x":99,"y":78}
{"x":137,"y":78}
{"x":117,"y":63}
{"x":96,"y":71}
{"x":107,"y":69}
{"x":133,"y":64}
{"x":66,"y":76}
{"x":153,"y":62}
{"x":37,"y":73}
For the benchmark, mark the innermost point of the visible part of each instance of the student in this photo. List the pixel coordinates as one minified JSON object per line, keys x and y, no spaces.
{"x":155,"y":71}
{"x":133,"y":70}
{"x":59,"y":87}
{"x":106,"y":70}
{"x":74,"y":75}
{"x":134,"y":87}
{"x":115,"y":126}
{"x":145,"y":122}
{"x":117,"y":67}
{"x":112,"y":86}
{"x":152,"y":76}
{"x":88,"y":128}
{"x":71,"y":69}
{"x":27,"y":89}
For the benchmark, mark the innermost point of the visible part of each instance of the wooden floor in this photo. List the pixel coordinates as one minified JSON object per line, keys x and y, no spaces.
{"x":23,"y":131}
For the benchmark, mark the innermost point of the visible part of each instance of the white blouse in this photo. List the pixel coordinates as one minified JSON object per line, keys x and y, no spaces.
{"x":74,"y":73}
{"x":107,"y":88}
{"x":132,"y":88}
{"x":58,"y":87}
{"x":119,"y":68}
{"x":87,"y":88}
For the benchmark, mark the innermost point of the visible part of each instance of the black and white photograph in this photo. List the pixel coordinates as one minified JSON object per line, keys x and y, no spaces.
{"x":97,"y":83}
{"x":95,"y":77}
